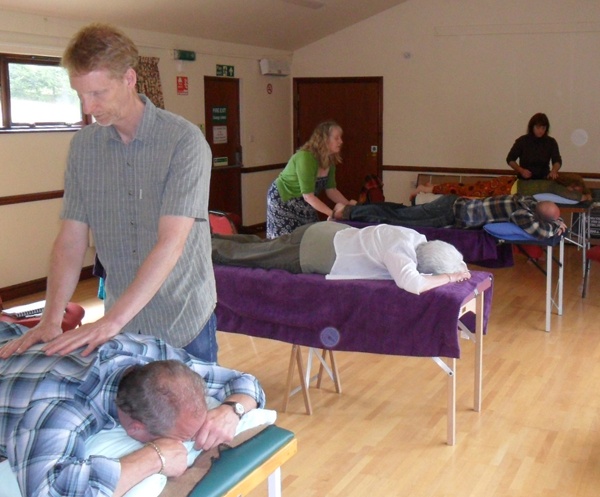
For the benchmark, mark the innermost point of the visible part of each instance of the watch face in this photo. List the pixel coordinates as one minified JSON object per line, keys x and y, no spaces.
{"x":237,"y":408}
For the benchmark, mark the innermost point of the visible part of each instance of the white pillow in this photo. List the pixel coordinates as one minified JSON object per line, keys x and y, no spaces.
{"x":425,"y":198}
{"x":116,"y":443}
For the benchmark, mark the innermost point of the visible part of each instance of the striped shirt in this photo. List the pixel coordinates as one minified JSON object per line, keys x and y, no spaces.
{"x":121,"y":191}
{"x":517,"y":209}
{"x":49,"y":406}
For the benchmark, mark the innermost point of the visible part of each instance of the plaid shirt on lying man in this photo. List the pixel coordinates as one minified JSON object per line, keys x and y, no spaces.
{"x":49,"y":406}
{"x":517,"y":209}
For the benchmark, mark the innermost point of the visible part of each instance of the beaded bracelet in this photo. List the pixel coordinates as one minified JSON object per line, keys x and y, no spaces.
{"x":160,"y":454}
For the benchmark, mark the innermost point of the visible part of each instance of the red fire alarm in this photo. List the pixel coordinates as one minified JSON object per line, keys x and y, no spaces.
{"x":182,"y":85}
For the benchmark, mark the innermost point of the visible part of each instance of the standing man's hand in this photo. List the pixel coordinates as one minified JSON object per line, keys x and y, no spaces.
{"x":40,"y":333}
{"x":91,"y":335}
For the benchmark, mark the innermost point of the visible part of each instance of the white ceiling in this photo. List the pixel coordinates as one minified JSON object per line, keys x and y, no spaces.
{"x":279,"y":24}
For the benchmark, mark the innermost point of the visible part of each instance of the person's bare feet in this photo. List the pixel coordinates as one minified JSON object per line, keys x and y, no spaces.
{"x":337,"y":211}
{"x":426,"y":188}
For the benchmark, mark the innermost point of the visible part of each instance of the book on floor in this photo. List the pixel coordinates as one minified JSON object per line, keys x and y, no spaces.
{"x":34,"y":309}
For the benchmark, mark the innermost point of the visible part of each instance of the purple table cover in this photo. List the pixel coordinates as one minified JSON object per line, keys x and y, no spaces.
{"x":349,"y":315}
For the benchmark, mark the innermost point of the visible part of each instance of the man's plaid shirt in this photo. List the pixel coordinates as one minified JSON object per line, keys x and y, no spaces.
{"x":517,"y":209}
{"x":49,"y":406}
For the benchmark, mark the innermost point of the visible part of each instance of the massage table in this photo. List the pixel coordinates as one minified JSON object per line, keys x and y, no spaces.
{"x":580,"y":226}
{"x":372,"y":316}
{"x":579,"y":232}
{"x":239,"y":470}
{"x":509,"y":233}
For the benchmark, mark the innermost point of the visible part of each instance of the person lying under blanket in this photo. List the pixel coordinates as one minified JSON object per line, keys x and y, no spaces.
{"x":539,"y":219}
{"x":343,"y":252}
{"x":568,"y":185}
{"x":51,"y":404}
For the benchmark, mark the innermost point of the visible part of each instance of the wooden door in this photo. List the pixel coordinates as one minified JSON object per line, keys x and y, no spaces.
{"x":357,"y":105}
{"x":222,"y":118}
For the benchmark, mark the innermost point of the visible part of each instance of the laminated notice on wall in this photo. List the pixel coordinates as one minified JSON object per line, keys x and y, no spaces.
{"x":220,"y":161}
{"x":219,"y":134}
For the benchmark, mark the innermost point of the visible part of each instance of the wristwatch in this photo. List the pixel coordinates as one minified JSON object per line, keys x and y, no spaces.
{"x":237,"y":408}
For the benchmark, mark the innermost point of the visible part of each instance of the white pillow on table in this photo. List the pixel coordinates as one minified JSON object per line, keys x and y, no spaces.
{"x":116,"y":443}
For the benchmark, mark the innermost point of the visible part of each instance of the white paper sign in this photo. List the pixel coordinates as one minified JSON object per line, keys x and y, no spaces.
{"x":219,"y":134}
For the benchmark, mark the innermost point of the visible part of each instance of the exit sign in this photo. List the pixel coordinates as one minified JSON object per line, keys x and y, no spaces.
{"x":227,"y":71}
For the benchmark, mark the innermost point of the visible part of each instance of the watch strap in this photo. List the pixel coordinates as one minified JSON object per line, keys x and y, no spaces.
{"x":234,"y":406}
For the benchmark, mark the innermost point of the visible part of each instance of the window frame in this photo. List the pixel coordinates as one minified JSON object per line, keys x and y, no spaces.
{"x":5,"y":60}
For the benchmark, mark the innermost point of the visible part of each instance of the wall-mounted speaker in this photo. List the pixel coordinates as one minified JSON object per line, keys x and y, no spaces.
{"x":270,"y":67}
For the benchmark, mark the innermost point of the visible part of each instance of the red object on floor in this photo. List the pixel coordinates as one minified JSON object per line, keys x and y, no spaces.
{"x":592,"y":254}
{"x":532,"y":251}
{"x":73,"y":316}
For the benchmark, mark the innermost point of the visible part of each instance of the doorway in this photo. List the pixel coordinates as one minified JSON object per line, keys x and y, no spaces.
{"x":222,"y":118}
{"x":356,"y":104}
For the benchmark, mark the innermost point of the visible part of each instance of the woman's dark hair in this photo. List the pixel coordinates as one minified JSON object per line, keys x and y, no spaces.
{"x":538,"y":119}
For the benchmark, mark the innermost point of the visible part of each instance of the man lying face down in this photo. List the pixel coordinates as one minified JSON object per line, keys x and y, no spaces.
{"x":51,"y":404}
{"x":539,"y":219}
{"x":343,"y":252}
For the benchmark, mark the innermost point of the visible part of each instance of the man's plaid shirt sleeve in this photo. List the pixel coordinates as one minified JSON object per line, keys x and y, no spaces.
{"x":525,"y":218}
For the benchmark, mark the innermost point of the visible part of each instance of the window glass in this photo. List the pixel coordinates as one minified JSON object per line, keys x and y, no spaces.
{"x":41,"y":94}
{"x":35,"y":95}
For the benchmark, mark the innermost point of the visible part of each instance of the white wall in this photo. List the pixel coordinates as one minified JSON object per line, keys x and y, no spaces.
{"x":31,"y":163}
{"x":462,"y":78}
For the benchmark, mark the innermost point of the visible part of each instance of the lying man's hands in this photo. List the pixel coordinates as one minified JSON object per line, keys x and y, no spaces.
{"x":219,"y":427}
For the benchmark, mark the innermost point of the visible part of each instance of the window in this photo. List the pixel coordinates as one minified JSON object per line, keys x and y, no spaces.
{"x":35,"y":95}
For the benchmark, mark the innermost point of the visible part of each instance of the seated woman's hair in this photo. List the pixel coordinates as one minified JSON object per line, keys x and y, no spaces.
{"x":437,"y":257}
{"x":539,"y":119}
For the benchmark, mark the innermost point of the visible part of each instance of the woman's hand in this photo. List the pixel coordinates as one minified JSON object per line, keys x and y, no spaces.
{"x":459,"y":276}
{"x":525,"y":173}
{"x":336,"y":213}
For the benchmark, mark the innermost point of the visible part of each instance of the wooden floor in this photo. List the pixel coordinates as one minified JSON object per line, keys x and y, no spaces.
{"x":538,"y":433}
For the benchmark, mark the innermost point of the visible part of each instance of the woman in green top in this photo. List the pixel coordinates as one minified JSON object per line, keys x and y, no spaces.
{"x":292,"y":198}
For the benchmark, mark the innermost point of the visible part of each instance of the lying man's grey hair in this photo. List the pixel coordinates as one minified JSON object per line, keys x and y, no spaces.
{"x":437,"y":257}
